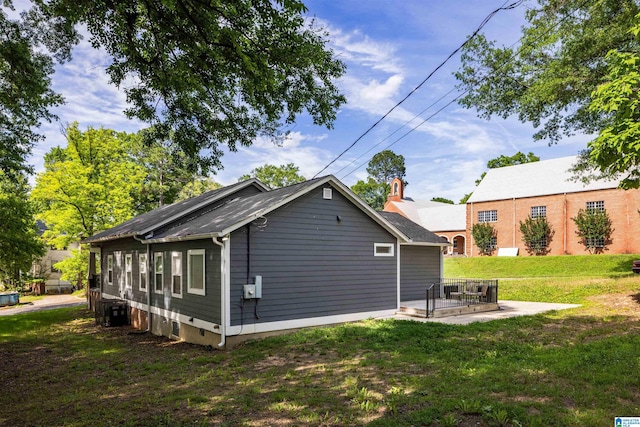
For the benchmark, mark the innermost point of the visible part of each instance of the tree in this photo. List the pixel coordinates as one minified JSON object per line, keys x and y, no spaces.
{"x":372,"y":192}
{"x":385,"y":166}
{"x":206,"y":73}
{"x":537,"y":234}
{"x":594,"y":229}
{"x":464,"y":198}
{"x":88,"y":186}
{"x":196,"y":187}
{"x":20,"y":244}
{"x":442,"y":200}
{"x":616,"y":150}
{"x":168,"y":171}
{"x":382,"y":168}
{"x":25,"y":93}
{"x":550,"y":77}
{"x":485,"y":237}
{"x":276,"y":176}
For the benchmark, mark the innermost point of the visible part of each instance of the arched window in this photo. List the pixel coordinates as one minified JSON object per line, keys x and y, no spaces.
{"x":395,"y":188}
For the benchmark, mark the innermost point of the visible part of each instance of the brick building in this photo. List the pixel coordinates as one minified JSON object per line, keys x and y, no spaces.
{"x":443,"y":219}
{"x":508,"y":195}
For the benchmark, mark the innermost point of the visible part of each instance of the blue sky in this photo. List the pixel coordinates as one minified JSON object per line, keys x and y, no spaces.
{"x":389,"y":47}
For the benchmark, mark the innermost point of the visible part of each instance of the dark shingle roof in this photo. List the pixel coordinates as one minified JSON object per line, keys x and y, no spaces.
{"x":233,"y":213}
{"x":156,"y":218}
{"x":415,"y":232}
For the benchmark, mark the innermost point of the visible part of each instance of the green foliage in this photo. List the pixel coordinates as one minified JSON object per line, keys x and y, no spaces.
{"x":74,"y":268}
{"x":574,"y":71}
{"x":537,"y":234}
{"x":442,"y":200}
{"x":548,"y":78}
{"x":276,"y":176}
{"x":385,"y":166}
{"x":382,"y":168}
{"x":168,"y":171}
{"x":20,"y":244}
{"x":594,"y":229}
{"x":616,"y":150}
{"x":207,"y":73}
{"x":196,"y":187}
{"x":25,"y":93}
{"x":88,"y":186}
{"x":484,"y":236}
{"x":372,"y":192}
{"x":464,"y":198}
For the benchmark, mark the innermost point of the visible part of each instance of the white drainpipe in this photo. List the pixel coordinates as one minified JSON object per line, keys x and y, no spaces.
{"x":223,"y":317}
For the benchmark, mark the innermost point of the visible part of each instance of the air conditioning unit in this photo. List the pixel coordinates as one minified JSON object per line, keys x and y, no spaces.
{"x":112,"y":313}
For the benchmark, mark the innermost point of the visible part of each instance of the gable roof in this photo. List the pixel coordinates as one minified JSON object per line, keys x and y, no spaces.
{"x":229,"y":215}
{"x":541,"y":178}
{"x":152,"y":220}
{"x":417,"y":233}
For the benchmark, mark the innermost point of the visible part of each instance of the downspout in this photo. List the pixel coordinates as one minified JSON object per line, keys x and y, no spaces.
{"x":148,"y":283}
{"x":470,"y":233}
{"x":223,"y":317}
{"x":398,"y":279}
{"x":564,"y":225}
{"x":514,"y":223}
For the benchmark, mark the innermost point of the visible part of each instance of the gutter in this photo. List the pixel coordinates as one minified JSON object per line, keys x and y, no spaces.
{"x":223,"y":317}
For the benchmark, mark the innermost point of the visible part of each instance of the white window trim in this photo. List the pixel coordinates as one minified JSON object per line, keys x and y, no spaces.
{"x":204,"y":277}
{"x":176,"y":273}
{"x":110,"y":269}
{"x":142,"y":271}
{"x":157,"y":255}
{"x":389,"y":246}
{"x":128,"y":268}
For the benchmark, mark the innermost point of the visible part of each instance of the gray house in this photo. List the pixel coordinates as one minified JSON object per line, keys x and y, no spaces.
{"x":244,"y":260}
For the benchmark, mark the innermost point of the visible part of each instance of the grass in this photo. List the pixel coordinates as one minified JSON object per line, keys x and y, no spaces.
{"x":545,"y":266}
{"x":577,"y":367}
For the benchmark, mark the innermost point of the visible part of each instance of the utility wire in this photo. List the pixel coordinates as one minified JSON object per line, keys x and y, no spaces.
{"x":455,"y":51}
{"x":450,"y":102}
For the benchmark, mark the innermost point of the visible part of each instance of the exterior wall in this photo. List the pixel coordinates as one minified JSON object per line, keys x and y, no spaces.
{"x":622,"y":207}
{"x":201,"y":308}
{"x":312,"y":263}
{"x":450,"y":236}
{"x":419,"y":266}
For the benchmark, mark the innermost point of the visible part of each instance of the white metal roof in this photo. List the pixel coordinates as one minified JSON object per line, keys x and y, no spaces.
{"x":541,"y":178}
{"x":434,"y":216}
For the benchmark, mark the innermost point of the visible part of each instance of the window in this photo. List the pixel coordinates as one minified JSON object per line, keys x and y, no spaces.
{"x":538,"y":211}
{"x":596,"y":206}
{"x":196,"y":272}
{"x":110,"y":269}
{"x":176,"y":274}
{"x":383,"y":249}
{"x":494,"y":243}
{"x":488,"y":216}
{"x":128,"y":270}
{"x":594,"y":242}
{"x":158,"y":264}
{"x":327,"y":193}
{"x":142,"y":271}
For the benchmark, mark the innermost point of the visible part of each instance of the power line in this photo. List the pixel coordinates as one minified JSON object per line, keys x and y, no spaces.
{"x":455,"y":51}
{"x":450,"y":102}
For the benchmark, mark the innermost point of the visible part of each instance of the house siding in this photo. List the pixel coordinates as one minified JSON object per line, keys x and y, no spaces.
{"x":419,"y":266}
{"x":622,"y":207}
{"x":205,"y":307}
{"x":311,"y":263}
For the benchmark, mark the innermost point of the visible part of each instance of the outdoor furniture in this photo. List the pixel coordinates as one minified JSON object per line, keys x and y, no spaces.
{"x":471,"y":290}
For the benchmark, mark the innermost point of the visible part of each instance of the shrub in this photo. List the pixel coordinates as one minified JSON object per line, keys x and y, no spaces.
{"x":594,"y":229}
{"x":536,"y":235}
{"x":485,"y":237}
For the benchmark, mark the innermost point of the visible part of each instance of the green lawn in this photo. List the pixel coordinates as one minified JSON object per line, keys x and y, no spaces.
{"x":544,"y":266}
{"x":578,"y":367}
